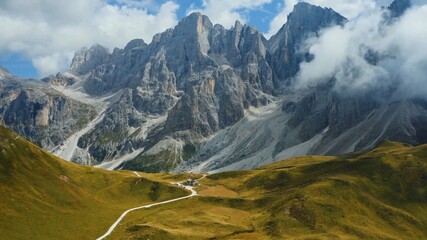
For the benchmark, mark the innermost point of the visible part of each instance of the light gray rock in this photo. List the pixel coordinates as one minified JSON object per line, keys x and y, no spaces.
{"x":60,"y":80}
{"x":85,"y":60}
{"x":38,"y":112}
{"x":114,"y":136}
{"x":204,"y":97}
{"x":286,"y":46}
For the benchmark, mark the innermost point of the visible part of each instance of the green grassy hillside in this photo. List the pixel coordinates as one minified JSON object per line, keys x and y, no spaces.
{"x":380,"y":194}
{"x":43,"y":197}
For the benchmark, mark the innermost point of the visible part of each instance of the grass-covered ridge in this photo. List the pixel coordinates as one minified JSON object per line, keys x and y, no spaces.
{"x":44,"y":197}
{"x":380,"y":194}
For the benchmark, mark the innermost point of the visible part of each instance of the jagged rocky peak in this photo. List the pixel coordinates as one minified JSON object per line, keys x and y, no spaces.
{"x":238,"y":25}
{"x":305,"y":18}
{"x":253,"y":40}
{"x":235,"y":35}
{"x":29,"y":101}
{"x":43,"y":115}
{"x":310,"y":18}
{"x":136,"y":43}
{"x":398,"y":7}
{"x":60,"y":79}
{"x":304,"y":21}
{"x":87,"y":59}
{"x":194,"y":23}
{"x":196,"y":28}
{"x":4,"y":73}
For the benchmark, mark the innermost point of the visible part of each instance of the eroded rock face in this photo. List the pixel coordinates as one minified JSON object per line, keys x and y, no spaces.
{"x":286,"y":48}
{"x":85,"y":60}
{"x":117,"y":133}
{"x":40,"y":113}
{"x":60,"y":80}
{"x":210,"y":73}
{"x":207,"y":98}
{"x":201,"y":76}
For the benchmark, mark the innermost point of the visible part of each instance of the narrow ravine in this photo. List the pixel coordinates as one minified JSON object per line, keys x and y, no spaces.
{"x":68,"y":147}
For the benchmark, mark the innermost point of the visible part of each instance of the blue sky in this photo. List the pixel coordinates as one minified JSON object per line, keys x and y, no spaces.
{"x":18,"y":65}
{"x":258,"y":16}
{"x":40,"y":37}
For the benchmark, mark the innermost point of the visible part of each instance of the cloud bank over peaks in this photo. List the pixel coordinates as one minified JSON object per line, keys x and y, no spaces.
{"x":371,"y":53}
{"x":49,"y":31}
{"x":347,"y":8}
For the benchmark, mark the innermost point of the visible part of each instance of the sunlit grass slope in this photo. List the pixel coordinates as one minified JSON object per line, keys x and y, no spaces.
{"x":44,"y":197}
{"x":380,"y":194}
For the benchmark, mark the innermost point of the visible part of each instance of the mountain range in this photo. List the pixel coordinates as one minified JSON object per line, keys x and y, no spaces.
{"x":201,"y":97}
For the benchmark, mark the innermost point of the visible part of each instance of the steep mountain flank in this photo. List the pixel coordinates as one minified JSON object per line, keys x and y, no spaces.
{"x":201,"y":97}
{"x":39,"y":112}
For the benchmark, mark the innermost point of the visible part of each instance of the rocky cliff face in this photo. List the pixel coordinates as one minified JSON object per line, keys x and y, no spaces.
{"x":201,"y":76}
{"x":398,"y":7}
{"x":85,"y":60}
{"x":40,"y":113}
{"x":60,"y":80}
{"x":117,"y":133}
{"x":287,"y":46}
{"x":202,"y":97}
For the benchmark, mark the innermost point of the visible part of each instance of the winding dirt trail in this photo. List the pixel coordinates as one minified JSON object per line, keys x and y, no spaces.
{"x":116,"y":223}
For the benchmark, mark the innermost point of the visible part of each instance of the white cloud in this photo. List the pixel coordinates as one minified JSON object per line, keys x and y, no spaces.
{"x":348,"y":8}
{"x":398,"y":48}
{"x":49,"y":64}
{"x":151,"y":5}
{"x":226,"y":12}
{"x":49,"y":31}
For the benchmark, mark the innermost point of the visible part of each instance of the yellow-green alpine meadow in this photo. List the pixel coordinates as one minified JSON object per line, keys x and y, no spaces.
{"x":380,"y":194}
{"x":44,"y":197}
{"x":213,"y":120}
